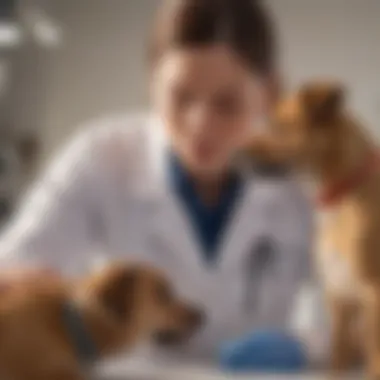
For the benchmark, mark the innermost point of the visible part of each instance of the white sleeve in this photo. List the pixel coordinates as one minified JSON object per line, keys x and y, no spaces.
{"x":310,"y":324}
{"x":308,"y":320}
{"x":53,"y":226}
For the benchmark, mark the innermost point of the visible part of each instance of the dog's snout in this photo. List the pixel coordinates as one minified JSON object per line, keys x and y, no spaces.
{"x":195,"y":319}
{"x":167,"y":337}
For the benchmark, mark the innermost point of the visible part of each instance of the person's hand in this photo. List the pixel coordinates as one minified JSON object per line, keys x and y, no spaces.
{"x":264,"y":351}
{"x":11,"y":278}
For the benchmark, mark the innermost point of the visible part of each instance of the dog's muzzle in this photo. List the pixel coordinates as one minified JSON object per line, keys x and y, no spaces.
{"x":168,"y":337}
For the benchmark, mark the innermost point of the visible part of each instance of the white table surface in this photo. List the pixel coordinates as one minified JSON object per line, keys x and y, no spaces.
{"x":118,"y":372}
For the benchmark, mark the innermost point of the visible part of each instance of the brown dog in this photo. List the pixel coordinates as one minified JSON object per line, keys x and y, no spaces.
{"x":314,"y":132}
{"x":41,"y":322}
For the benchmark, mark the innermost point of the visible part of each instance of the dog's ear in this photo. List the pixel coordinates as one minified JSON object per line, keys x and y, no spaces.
{"x":322,"y":102}
{"x":117,"y":292}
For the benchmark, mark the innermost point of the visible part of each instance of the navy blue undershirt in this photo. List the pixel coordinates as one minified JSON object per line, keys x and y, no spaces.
{"x":208,"y":222}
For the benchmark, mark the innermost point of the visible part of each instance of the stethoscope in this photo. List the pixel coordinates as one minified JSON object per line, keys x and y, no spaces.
{"x":260,"y":261}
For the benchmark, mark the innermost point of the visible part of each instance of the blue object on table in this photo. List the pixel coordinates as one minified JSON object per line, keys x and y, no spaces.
{"x":264,"y":351}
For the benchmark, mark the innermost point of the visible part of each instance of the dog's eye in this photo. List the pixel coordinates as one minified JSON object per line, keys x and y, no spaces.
{"x":164,"y":295}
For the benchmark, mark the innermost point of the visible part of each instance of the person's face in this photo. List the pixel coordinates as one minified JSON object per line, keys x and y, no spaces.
{"x":209,"y":102}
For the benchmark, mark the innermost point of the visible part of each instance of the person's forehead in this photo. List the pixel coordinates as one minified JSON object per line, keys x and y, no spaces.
{"x":206,"y":65}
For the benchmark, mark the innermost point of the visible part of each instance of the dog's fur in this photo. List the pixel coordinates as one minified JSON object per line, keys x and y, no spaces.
{"x":313,"y":131}
{"x":121,"y":305}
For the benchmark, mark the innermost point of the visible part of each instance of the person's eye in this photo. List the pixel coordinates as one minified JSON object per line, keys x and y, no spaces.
{"x":182,"y":98}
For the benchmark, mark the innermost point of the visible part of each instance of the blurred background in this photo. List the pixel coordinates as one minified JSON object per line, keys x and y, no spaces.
{"x":65,"y":62}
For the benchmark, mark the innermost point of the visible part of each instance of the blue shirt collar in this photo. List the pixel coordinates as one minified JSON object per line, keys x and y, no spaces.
{"x":209,"y":223}
{"x":181,"y":179}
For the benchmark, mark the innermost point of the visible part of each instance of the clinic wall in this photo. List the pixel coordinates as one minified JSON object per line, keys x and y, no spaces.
{"x":100,"y":69}
{"x":338,"y":39}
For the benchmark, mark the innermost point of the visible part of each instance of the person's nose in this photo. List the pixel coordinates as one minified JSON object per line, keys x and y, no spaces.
{"x":199,"y":119}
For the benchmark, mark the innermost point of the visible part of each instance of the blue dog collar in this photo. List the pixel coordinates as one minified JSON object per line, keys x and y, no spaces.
{"x":79,"y":334}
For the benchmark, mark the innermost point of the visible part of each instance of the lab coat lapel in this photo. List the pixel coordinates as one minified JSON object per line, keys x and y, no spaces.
{"x":250,"y":221}
{"x":170,"y":231}
{"x":169,"y":228}
{"x":172,"y":235}
{"x":238,"y":234}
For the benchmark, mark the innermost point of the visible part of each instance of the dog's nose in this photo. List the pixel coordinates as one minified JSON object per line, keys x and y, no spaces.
{"x":167,"y":337}
{"x":196,"y":318}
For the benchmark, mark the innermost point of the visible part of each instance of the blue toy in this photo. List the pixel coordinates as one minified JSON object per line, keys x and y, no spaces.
{"x":264,"y":351}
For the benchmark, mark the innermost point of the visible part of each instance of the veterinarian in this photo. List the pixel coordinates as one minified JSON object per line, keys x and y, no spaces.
{"x":174,"y":189}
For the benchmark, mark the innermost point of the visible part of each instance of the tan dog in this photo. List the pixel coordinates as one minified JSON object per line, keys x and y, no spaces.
{"x":113,"y":310}
{"x":314,"y":132}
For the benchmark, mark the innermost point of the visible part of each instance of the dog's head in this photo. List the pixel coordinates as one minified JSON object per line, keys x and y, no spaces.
{"x":142,"y":303}
{"x":308,"y":127}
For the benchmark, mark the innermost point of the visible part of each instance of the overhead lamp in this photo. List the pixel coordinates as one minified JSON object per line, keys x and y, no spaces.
{"x":10,"y":34}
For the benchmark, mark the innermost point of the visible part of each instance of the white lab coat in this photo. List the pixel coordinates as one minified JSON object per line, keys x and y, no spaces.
{"x":107,"y":197}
